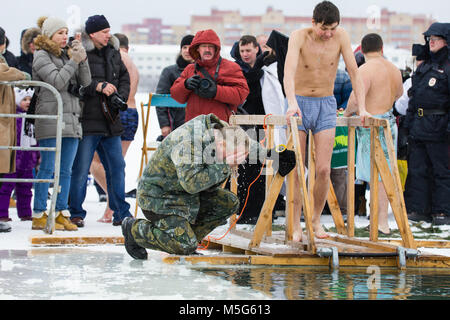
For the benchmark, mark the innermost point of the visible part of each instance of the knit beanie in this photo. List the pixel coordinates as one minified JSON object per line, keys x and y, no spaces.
{"x":49,"y":26}
{"x":187,"y":40}
{"x":96,"y":23}
{"x":22,"y":94}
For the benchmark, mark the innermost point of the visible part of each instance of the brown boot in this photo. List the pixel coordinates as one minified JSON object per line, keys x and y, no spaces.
{"x":39,"y":223}
{"x":62,"y":218}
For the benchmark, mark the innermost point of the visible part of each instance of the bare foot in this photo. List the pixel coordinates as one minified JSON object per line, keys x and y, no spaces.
{"x":107,"y":216}
{"x":297,"y":236}
{"x":319,"y":232}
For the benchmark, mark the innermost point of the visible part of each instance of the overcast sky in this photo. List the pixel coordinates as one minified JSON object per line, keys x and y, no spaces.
{"x":16,"y":15}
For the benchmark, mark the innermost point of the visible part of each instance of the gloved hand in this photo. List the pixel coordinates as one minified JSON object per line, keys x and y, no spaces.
{"x":78,"y":52}
{"x":207,"y":89}
{"x":192,"y":83}
{"x":286,"y":161}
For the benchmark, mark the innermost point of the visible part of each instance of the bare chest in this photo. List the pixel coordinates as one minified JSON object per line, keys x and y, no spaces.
{"x":323,"y":56}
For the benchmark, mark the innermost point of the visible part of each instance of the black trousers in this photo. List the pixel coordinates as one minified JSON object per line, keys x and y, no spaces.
{"x":427,"y":189}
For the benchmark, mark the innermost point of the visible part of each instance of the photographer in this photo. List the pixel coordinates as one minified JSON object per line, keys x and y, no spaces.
{"x":102,"y":128}
{"x":211,"y":85}
{"x":65,"y":68}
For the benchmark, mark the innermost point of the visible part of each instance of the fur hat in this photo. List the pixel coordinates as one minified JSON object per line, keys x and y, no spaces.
{"x":49,"y":26}
{"x":28,"y":37}
{"x":2,"y":36}
{"x":96,"y":23}
{"x":22,"y":94}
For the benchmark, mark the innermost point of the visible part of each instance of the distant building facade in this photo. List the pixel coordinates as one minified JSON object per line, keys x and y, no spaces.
{"x":400,"y":30}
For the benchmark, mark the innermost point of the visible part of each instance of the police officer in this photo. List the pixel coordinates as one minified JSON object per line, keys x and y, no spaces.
{"x":427,"y":193}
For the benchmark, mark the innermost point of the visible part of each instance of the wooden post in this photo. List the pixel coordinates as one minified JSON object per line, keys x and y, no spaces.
{"x":335,"y":210}
{"x":233,"y":188}
{"x":351,"y":182}
{"x":290,"y":194}
{"x":374,"y":133}
{"x":269,"y":169}
{"x":311,"y":169}
{"x":144,"y":156}
{"x":303,"y":189}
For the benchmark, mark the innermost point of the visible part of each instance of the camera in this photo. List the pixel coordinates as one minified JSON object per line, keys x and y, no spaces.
{"x":207,"y":88}
{"x":422,"y":52}
{"x":76,"y":90}
{"x":116,"y":102}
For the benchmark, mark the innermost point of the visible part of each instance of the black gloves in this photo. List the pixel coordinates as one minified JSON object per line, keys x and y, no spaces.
{"x":207,"y":89}
{"x":286,"y":161}
{"x":192,"y":83}
{"x":203,"y":87}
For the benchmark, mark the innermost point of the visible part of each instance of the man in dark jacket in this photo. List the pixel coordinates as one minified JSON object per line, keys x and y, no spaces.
{"x":427,"y":187}
{"x":171,"y":118}
{"x":102,"y":127}
{"x":249,"y":56}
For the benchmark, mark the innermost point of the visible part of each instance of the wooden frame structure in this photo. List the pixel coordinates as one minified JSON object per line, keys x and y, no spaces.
{"x":262,"y":246}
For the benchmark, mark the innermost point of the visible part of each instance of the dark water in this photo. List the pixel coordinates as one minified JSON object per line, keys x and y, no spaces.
{"x":318,"y":283}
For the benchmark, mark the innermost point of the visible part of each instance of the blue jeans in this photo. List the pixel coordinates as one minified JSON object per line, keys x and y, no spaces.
{"x":109,"y":150}
{"x":47,"y":169}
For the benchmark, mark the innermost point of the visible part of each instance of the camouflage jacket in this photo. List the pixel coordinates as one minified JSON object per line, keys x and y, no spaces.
{"x":183,"y":166}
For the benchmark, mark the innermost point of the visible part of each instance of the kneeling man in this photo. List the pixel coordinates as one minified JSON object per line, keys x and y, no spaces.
{"x":180,"y":192}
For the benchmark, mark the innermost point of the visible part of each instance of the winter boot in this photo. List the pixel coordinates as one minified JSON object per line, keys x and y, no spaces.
{"x":133,"y":249}
{"x":5,"y":227}
{"x":62,"y":217}
{"x":441,"y":219}
{"x":39,"y":222}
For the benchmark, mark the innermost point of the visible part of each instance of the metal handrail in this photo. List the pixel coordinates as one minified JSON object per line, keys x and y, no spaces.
{"x":50,"y":226}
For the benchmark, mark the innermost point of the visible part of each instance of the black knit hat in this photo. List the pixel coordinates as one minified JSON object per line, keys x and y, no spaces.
{"x":187,"y":40}
{"x":2,"y":36}
{"x":96,"y":23}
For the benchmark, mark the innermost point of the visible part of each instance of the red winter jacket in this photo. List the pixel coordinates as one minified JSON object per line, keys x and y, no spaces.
{"x":232,"y":89}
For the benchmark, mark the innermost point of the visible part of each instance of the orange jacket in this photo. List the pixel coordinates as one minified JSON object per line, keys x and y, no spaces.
{"x":232,"y":89}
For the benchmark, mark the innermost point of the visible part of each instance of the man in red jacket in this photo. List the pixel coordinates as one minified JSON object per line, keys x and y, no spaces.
{"x":211,"y":85}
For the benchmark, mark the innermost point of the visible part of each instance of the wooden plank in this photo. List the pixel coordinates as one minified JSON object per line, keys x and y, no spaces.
{"x":388,"y":182}
{"x":213,"y":260}
{"x":289,"y":215}
{"x":440,"y":244}
{"x":265,"y":217}
{"x":410,"y":243}
{"x":348,"y":122}
{"x":311,"y":169}
{"x":56,"y":240}
{"x":437,"y":262}
{"x":365,"y":243}
{"x":336,"y":213}
{"x":376,"y":122}
{"x":351,"y":182}
{"x":374,"y":133}
{"x":304,"y":191}
{"x":253,"y":119}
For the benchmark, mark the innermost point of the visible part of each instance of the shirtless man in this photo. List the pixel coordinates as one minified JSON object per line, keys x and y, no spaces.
{"x":310,"y":71}
{"x":383,"y":86}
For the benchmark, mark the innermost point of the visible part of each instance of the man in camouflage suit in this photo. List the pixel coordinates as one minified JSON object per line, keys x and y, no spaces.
{"x":180,"y":191}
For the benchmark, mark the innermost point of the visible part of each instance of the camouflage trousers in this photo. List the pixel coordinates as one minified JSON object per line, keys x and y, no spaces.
{"x":174,"y":234}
